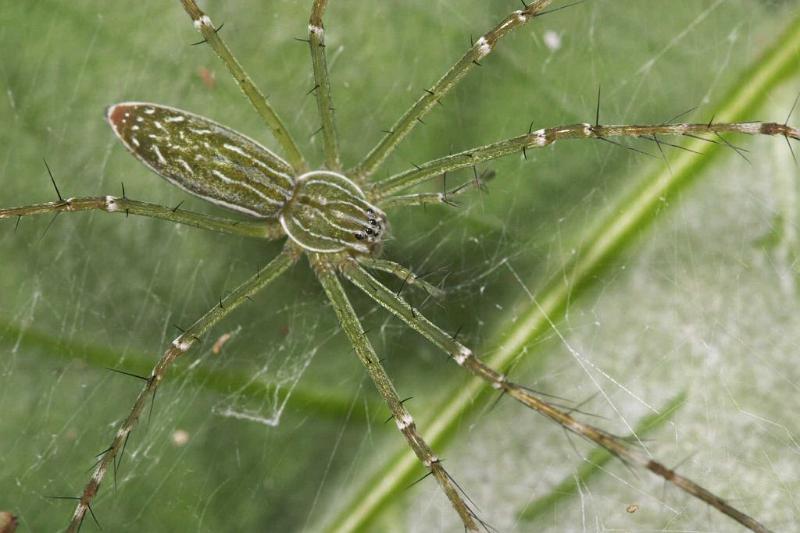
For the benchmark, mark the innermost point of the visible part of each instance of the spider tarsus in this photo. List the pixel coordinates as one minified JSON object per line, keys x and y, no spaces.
{"x":53,"y":180}
{"x":791,"y":111}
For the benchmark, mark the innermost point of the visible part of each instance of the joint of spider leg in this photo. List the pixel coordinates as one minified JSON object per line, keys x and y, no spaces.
{"x":405,"y":421}
{"x":182,"y":344}
{"x":432,"y":461}
{"x":462,"y":355}
{"x":482,"y":48}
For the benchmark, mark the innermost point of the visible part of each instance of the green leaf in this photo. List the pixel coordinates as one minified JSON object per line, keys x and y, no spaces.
{"x":694,"y":303}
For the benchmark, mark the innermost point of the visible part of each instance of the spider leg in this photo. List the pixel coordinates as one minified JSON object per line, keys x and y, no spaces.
{"x":179,"y":346}
{"x":406,"y":275}
{"x":545,"y":137}
{"x":465,"y":358}
{"x":327,"y":276}
{"x":429,"y":98}
{"x":265,"y":110}
{"x":438,"y":198}
{"x":322,"y":85}
{"x":264,"y":229}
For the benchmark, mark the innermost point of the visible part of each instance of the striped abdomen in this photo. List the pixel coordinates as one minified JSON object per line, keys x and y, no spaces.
{"x":204,"y":157}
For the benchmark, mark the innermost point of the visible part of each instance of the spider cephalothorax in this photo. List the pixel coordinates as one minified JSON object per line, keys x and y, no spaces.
{"x":327,"y":212}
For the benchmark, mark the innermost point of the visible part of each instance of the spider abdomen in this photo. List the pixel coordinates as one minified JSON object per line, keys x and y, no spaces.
{"x":330,"y":213}
{"x":204,"y":158}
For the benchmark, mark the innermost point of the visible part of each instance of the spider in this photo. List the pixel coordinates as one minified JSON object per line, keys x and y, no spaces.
{"x":337,"y":219}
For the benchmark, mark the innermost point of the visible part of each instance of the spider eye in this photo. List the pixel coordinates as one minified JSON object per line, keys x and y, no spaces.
{"x":369,"y":231}
{"x":358,"y":235}
{"x":373,"y":222}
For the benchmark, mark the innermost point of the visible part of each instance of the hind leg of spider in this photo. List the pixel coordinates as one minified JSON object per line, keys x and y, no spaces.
{"x":328,"y":277}
{"x":465,"y":358}
{"x":182,"y":344}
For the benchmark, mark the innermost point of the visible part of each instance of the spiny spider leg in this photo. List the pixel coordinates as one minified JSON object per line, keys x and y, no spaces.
{"x":322,"y":85}
{"x":263,"y":229}
{"x":544,"y":137}
{"x":444,"y":197}
{"x":179,"y":346}
{"x":465,"y":358}
{"x":327,"y":276}
{"x":406,"y":275}
{"x":210,"y":35}
{"x":479,"y":49}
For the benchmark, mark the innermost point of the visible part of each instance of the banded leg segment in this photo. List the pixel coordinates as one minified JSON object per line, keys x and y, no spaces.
{"x":203,"y":24}
{"x":182,"y":344}
{"x":545,"y":137}
{"x":480,"y":49}
{"x":322,"y":87}
{"x":263,"y":229}
{"x":405,"y":423}
{"x":464,"y":357}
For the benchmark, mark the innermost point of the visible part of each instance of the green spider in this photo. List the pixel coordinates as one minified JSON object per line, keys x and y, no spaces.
{"x":336,"y":218}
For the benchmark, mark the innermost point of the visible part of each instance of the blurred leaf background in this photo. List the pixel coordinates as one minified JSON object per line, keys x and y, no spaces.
{"x":704,"y":301}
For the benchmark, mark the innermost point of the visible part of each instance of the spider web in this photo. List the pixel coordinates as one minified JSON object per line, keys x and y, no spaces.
{"x":280,"y":427}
